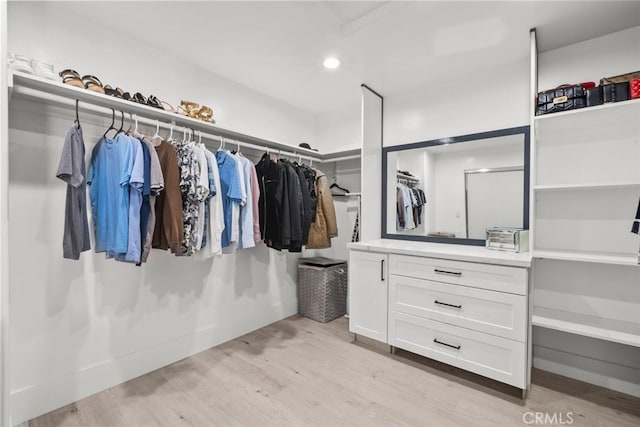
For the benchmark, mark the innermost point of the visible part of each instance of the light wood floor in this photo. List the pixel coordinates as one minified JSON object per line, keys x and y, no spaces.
{"x":297,"y":372}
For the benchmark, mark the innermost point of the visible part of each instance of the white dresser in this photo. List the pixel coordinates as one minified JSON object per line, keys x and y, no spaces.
{"x":462,"y":305}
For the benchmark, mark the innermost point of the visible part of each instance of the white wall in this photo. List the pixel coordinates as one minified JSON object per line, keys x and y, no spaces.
{"x":80,"y":327}
{"x":50,"y":31}
{"x":339,"y":130}
{"x":495,"y":99}
{"x":450,"y":186}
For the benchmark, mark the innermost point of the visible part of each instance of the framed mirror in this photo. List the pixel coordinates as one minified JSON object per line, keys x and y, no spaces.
{"x":451,"y":190}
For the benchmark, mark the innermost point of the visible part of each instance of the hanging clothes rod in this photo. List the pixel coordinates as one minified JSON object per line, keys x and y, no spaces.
{"x":64,"y":95}
{"x":408,"y":178}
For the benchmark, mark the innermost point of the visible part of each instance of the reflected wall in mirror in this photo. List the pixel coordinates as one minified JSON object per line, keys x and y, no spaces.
{"x":451,"y":190}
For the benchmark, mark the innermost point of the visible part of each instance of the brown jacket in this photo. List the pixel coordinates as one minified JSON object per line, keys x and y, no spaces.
{"x":325,"y":226}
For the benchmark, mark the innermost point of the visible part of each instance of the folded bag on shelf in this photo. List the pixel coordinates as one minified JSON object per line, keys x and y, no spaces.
{"x":563,"y":98}
{"x":634,"y":88}
{"x":622,"y":78}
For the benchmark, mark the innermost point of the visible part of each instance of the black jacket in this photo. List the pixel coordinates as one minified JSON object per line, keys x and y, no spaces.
{"x":271,"y":176}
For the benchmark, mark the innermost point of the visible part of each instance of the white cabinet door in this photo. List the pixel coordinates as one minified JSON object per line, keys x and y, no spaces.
{"x":368,"y":294}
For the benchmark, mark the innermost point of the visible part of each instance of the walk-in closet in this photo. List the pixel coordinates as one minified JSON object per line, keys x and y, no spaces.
{"x":338,"y":213}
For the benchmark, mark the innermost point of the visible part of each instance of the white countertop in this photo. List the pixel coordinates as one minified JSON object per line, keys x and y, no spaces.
{"x":445,"y":251}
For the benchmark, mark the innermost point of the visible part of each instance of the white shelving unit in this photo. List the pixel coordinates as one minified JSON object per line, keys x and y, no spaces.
{"x":32,"y":87}
{"x":586,"y":185}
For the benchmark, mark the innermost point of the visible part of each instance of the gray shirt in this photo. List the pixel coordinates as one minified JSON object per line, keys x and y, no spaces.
{"x":72,"y":170}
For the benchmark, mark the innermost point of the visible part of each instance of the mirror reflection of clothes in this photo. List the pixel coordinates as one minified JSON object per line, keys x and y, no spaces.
{"x":410,"y":201}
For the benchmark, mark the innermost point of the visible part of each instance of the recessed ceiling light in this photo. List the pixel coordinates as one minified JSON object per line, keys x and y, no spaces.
{"x":331,"y":62}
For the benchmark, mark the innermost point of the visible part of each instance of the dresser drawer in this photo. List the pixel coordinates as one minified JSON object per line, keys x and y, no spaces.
{"x":485,"y":276}
{"x":492,"y":312}
{"x":487,"y":355}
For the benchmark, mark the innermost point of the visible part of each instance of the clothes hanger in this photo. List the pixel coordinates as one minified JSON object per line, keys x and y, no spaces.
{"x":221,"y":144}
{"x":111,"y":127}
{"x":157,"y":134}
{"x":170,"y":137}
{"x":130,"y":123}
{"x":121,"y":123}
{"x":335,"y":185}
{"x":77,"y":120}
{"x":136,"y":118}
{"x":199,"y":137}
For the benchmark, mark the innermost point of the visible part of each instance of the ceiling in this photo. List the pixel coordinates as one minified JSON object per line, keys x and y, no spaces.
{"x":277,"y":48}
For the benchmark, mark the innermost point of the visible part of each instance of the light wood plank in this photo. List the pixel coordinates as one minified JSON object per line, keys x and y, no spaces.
{"x":300,"y":372}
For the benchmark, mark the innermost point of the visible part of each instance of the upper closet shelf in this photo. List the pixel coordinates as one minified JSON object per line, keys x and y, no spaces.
{"x":584,"y":121}
{"x":56,"y":93}
{"x":592,"y":186}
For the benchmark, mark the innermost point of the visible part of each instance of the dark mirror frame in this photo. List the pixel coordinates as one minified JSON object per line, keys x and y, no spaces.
{"x":524,"y":130}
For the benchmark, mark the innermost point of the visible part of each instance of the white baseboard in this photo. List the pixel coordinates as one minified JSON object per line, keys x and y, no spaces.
{"x":602,"y":373}
{"x":31,"y":402}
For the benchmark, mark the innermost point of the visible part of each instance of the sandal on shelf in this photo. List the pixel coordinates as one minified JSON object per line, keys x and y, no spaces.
{"x":168,"y":107}
{"x":139,"y":98}
{"x":152,"y":101}
{"x":205,"y":114}
{"x":191,"y":108}
{"x":71,"y":77}
{"x":125,"y":95}
{"x":108,"y":90}
{"x":93,"y":83}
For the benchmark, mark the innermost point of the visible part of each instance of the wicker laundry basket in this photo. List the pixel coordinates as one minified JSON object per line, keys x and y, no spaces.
{"x":322,"y":288}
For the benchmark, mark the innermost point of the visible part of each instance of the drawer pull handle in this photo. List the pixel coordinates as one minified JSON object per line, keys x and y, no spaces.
{"x":449,"y":273}
{"x":382,"y":270}
{"x":447,"y":304}
{"x":457,"y":347}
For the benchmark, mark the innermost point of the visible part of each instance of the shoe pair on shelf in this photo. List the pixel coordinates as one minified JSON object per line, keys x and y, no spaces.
{"x":196,"y":111}
{"x":191,"y":109}
{"x":31,"y":66}
{"x":72,"y":77}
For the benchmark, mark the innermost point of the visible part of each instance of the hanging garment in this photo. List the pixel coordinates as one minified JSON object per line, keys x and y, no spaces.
{"x":191,"y":194}
{"x":310,"y":176}
{"x":292,"y":234}
{"x":109,"y":174}
{"x":203,"y":192}
{"x":136,"y":182}
{"x":271,"y":176}
{"x":156,"y":186}
{"x":307,"y":216}
{"x":355,"y":236}
{"x":325,"y":225}
{"x":206,"y":235}
{"x":169,"y":225}
{"x":400,"y":219}
{"x":255,"y":199}
{"x":216,"y":217}
{"x":231,"y":192}
{"x":72,"y":170}
{"x":246,"y":239}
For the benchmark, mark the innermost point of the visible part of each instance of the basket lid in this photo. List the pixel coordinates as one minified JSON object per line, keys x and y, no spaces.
{"x":321,"y":261}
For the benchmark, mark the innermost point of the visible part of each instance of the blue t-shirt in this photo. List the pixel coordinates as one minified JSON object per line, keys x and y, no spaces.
{"x":246,"y":212}
{"x":109,"y":175}
{"x":136,"y":184}
{"x":230,"y":191}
